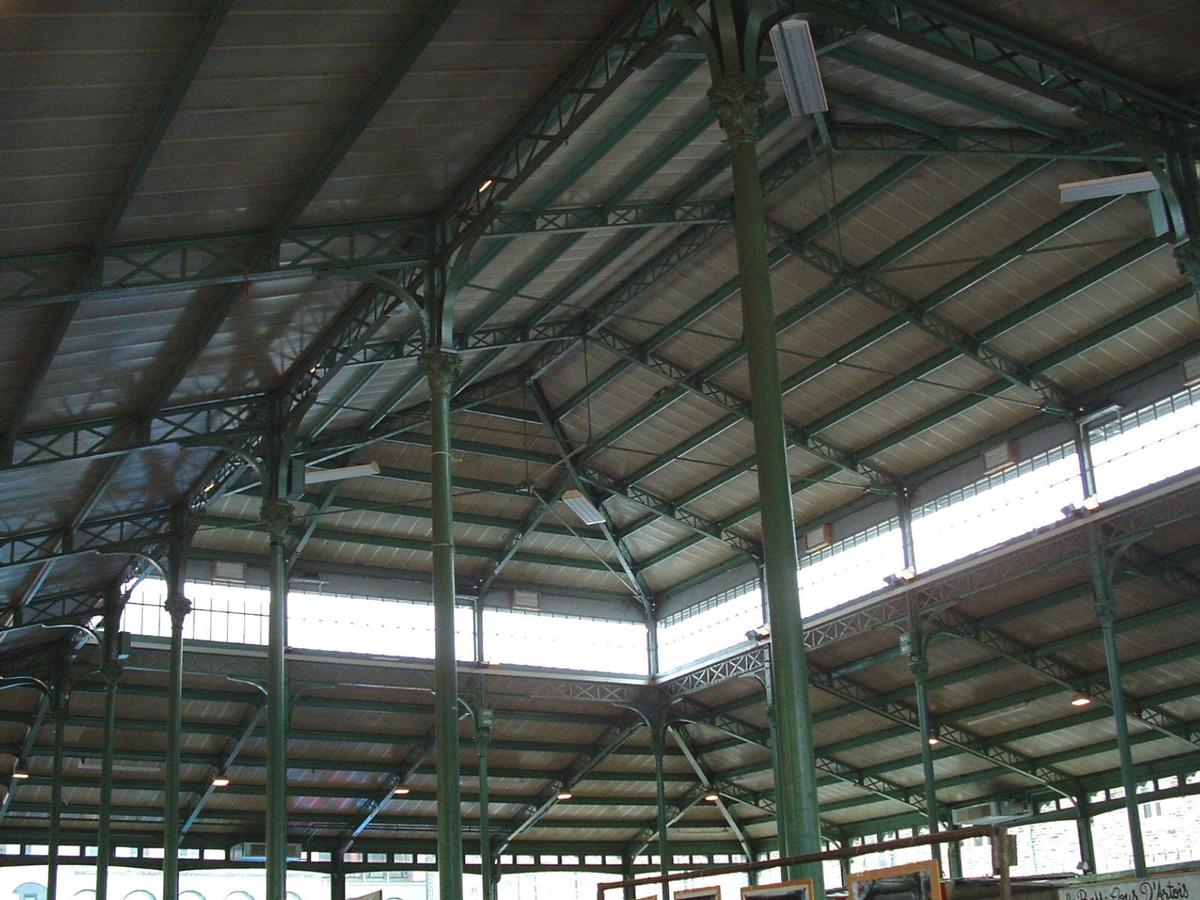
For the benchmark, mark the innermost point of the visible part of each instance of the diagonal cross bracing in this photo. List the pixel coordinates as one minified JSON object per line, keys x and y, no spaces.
{"x":834,"y":768}
{"x":612,"y":738}
{"x":554,"y":425}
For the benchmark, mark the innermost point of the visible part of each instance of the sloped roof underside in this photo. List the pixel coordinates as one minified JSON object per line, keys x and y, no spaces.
{"x":197,"y":197}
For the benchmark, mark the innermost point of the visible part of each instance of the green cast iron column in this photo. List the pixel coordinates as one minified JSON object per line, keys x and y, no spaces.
{"x":483,"y":737}
{"x":1083,"y":828}
{"x":955,"y":853}
{"x":628,"y":892}
{"x":111,"y":671}
{"x":658,"y":742}
{"x":276,"y":514}
{"x":739,"y":100}
{"x":920,"y":671}
{"x":59,"y":715}
{"x":337,"y":876}
{"x":651,"y":640}
{"x":177,"y":607}
{"x":1106,"y":613}
{"x":441,"y":367}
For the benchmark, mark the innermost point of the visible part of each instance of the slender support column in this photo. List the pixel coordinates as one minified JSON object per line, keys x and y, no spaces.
{"x":1083,"y":828}
{"x":658,"y":742}
{"x":781,"y":824}
{"x":907,"y":544}
{"x":478,"y":611}
{"x":441,"y":367}
{"x":337,"y":877}
{"x":738,"y":95}
{"x":844,"y":864}
{"x":276,"y":514}
{"x":483,"y":737}
{"x":1106,"y":614}
{"x":954,"y":851}
{"x":1083,"y":455}
{"x":651,"y":640}
{"x":628,"y":892}
{"x":111,"y":672}
{"x":58,"y":714}
{"x":920,"y":671}
{"x":177,"y":607}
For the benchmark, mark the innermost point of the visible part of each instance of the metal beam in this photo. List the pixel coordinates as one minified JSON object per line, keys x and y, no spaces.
{"x":597,"y":72}
{"x":603,"y":747}
{"x":1109,"y":100}
{"x":553,"y":424}
{"x":710,"y":783}
{"x":1039,"y":304}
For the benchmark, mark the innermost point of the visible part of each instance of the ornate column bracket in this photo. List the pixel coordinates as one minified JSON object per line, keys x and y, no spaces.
{"x":278,"y":516}
{"x":739,"y":100}
{"x":441,"y":366}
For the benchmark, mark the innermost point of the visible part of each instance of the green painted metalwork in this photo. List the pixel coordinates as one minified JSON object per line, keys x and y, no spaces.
{"x":441,"y":368}
{"x":1106,"y":610}
{"x":177,"y":607}
{"x":738,"y":94}
{"x":552,"y":423}
{"x":110,"y":670}
{"x":1094,"y":338}
{"x":597,"y":72}
{"x":970,"y":99}
{"x":58,"y":714}
{"x":1110,"y":100}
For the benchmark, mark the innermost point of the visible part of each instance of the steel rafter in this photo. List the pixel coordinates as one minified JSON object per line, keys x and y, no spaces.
{"x":560,"y":245}
{"x":601,"y":748}
{"x":1064,"y":674}
{"x":409,"y":50}
{"x":707,"y":781}
{"x":597,"y":73}
{"x":1111,"y":101}
{"x":691,"y":711}
{"x":157,"y":268}
{"x":162,"y":121}
{"x":1039,"y":304}
{"x":553,"y":424}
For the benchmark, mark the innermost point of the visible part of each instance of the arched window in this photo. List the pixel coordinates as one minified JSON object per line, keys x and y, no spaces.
{"x":30,"y":890}
{"x":292,"y":895}
{"x":140,"y":895}
{"x":238,"y":895}
{"x":85,"y":894}
{"x":190,"y":895}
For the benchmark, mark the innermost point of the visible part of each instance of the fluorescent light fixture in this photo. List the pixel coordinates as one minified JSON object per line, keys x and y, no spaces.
{"x":797,"y":60}
{"x":401,"y":790}
{"x":221,"y":781}
{"x":20,"y":773}
{"x":564,"y":794}
{"x":1113,"y":186}
{"x":487,"y":183}
{"x":583,"y":508}
{"x":315,"y":475}
{"x":1081,"y":699}
{"x":1101,"y":414}
{"x":934,"y":740}
{"x":711,"y":795}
